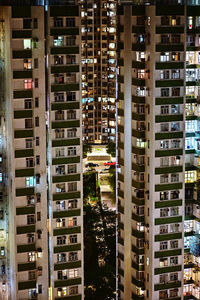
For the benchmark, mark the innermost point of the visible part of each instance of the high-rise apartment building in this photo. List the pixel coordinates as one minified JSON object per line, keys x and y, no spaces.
{"x":158,"y":133}
{"x":65,"y":152}
{"x":98,"y":26}
{"x":41,"y":247}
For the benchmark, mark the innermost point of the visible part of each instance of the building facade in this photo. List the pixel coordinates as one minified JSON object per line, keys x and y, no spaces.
{"x":158,"y":138}
{"x":98,"y":26}
{"x":40,"y":143}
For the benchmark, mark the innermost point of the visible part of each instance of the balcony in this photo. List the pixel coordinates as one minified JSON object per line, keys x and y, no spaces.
{"x":67,"y":282}
{"x":169,"y":83}
{"x":26,"y":248}
{"x":169,"y":29}
{"x":19,"y":153}
{"x":65,"y":50}
{"x":25,"y":210}
{"x":64,"y":68}
{"x":168,"y":285}
{"x":65,"y":196}
{"x":66,"y":213}
{"x":25,"y":285}
{"x":166,"y":253}
{"x":169,"y":47}
{"x":23,"y":53}
{"x":67,"y":265}
{"x":18,"y":94}
{"x":66,"y":230}
{"x":170,"y":186}
{"x":138,"y":283}
{"x":22,"y":74}
{"x":167,"y":269}
{"x":66,"y":142}
{"x":167,"y":237}
{"x":65,"y":124}
{"x":55,"y":31}
{"x":67,"y":248}
{"x":66,"y":178}
{"x":25,"y":229}
{"x":26,"y":266}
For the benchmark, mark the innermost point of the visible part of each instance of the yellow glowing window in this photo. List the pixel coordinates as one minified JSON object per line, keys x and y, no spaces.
{"x":27,"y":64}
{"x":173,"y":22}
{"x":190,"y":176}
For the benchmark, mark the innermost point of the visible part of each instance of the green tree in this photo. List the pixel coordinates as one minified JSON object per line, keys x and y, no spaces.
{"x":112,"y":179}
{"x":111,"y":148}
{"x":100,"y":252}
{"x":89,"y":184}
{"x":87,"y":148}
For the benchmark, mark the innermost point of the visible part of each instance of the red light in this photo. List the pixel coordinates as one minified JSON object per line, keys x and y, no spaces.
{"x":109,"y":163}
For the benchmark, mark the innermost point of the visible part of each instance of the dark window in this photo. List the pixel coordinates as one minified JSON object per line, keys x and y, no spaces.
{"x":27,"y":23}
{"x":70,"y":22}
{"x":37,"y":178}
{"x":36,"y":102}
{"x":58,"y":22}
{"x":37,"y":121}
{"x":28,"y":103}
{"x":28,"y":123}
{"x":35,"y":23}
{"x":37,"y":159}
{"x":165,"y":20}
{"x":40,"y":289}
{"x":37,"y":141}
{"x":38,"y":216}
{"x":38,"y":197}
{"x":36,"y":83}
{"x":36,"y":63}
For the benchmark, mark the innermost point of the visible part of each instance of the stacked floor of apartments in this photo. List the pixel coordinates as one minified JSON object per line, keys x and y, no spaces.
{"x":158,"y":137}
{"x":40,"y":152}
{"x":98,"y":28}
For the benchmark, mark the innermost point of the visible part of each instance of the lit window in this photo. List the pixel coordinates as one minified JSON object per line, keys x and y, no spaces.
{"x":73,"y":273}
{"x":58,"y":41}
{"x":27,"y":64}
{"x":31,"y":256}
{"x":190,"y":22}
{"x":30,"y":181}
{"x":27,"y":84}
{"x":2,"y":251}
{"x":72,"y":222}
{"x":190,"y":176}
{"x":164,"y":56}
{"x":60,"y":205}
{"x":1,"y":177}
{"x":27,"y":43}
{"x":140,"y":143}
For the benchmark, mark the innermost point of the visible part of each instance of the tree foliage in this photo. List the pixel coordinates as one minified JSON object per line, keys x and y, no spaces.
{"x":89,"y":184}
{"x":100,"y":252}
{"x":111,"y":148}
{"x":112,"y":179}
{"x":87,"y":148}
